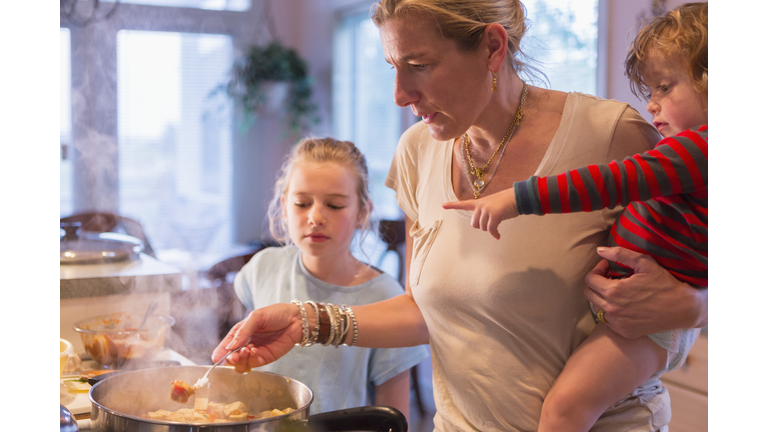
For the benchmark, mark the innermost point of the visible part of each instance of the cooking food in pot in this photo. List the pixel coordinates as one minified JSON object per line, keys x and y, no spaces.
{"x":213,"y":412}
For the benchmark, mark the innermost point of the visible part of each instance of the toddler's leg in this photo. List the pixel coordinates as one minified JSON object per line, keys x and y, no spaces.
{"x":601,"y":371}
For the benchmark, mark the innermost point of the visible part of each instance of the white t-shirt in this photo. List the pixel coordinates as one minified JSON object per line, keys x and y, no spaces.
{"x":339,"y":377}
{"x":505,"y":315}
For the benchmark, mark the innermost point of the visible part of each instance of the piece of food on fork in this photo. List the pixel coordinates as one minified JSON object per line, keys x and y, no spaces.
{"x":181,"y":391}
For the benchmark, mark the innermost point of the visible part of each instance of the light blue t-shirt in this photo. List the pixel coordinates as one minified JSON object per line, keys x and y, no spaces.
{"x":339,"y":377}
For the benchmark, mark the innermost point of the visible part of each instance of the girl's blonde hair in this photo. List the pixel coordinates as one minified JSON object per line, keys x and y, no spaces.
{"x":465,"y":21}
{"x":679,"y":35}
{"x":317,"y":150}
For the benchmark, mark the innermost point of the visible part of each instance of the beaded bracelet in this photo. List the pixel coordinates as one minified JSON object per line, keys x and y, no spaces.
{"x":351,"y":315}
{"x":304,"y":323}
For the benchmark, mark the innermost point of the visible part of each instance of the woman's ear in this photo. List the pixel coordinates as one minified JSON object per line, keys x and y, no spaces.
{"x":496,"y":44}
{"x":282,"y":206}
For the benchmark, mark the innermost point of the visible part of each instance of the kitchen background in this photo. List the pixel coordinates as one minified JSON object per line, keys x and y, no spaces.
{"x":142,"y":135}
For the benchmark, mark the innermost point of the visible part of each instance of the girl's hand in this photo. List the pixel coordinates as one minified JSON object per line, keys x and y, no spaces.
{"x":488,"y":212}
{"x":651,"y":300}
{"x":273,"y":331}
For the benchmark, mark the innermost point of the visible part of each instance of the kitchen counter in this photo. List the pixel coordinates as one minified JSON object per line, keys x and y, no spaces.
{"x":140,"y":276}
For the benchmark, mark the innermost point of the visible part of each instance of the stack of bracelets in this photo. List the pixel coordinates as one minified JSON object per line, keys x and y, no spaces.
{"x":332,"y":325}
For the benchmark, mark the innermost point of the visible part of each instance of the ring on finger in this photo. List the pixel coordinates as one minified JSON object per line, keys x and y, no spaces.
{"x":601,"y":316}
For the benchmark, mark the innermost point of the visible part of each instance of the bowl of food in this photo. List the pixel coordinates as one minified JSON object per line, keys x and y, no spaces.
{"x":114,"y":339}
{"x":65,"y":350}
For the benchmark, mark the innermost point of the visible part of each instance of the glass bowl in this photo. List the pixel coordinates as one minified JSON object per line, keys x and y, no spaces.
{"x":113,"y":339}
{"x":65,"y":350}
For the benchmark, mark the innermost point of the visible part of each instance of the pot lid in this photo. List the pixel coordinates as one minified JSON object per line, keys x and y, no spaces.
{"x":82,"y":247}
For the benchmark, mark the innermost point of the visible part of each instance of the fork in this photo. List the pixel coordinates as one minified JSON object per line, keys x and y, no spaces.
{"x":204,"y":380}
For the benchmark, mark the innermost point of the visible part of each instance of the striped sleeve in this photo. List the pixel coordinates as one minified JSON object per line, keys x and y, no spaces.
{"x":677,"y":165}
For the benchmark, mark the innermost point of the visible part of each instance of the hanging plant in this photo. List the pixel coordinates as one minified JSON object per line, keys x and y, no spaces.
{"x":263,"y":66}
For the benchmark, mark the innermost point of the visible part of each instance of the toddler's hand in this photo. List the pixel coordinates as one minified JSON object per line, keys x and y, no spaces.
{"x":488,"y":212}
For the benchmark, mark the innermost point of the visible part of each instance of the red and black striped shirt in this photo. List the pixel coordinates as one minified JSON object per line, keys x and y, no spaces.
{"x":665,"y":194}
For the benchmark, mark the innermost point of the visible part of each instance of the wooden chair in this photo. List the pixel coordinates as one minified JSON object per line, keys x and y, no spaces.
{"x":231,"y":311}
{"x":110,"y":222}
{"x":392,"y":232}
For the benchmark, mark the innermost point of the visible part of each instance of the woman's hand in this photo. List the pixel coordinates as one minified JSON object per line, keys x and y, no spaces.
{"x":488,"y":212}
{"x":649,"y":301}
{"x":273,"y":331}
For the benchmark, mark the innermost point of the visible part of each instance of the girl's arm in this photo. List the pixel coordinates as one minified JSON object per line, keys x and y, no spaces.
{"x":676,"y":165}
{"x":395,"y":393}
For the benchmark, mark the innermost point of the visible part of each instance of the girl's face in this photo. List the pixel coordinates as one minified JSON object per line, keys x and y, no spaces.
{"x":321,"y":208}
{"x":447,"y":87}
{"x":675,"y":105}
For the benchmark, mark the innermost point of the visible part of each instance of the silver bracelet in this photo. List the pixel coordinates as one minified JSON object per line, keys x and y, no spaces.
{"x":351,"y":314}
{"x":316,"y":331}
{"x":304,"y":323}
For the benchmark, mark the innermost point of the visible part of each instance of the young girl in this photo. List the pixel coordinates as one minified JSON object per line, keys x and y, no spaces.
{"x":665,"y":191}
{"x":320,"y":199}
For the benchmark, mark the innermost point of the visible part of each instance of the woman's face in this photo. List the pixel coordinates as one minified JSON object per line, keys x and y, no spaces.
{"x":447,"y":87}
{"x":321,"y":208}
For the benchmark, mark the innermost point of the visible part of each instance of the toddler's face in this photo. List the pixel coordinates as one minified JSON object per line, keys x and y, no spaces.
{"x":321,"y":207}
{"x":675,"y":104}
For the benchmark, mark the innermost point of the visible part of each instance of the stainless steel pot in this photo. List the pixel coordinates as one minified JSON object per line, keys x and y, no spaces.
{"x":118,"y":402}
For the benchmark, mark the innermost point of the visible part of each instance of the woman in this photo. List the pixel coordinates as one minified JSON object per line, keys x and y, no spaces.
{"x":501,"y":317}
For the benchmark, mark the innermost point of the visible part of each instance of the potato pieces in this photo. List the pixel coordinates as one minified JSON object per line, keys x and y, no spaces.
{"x":238,"y":417}
{"x":235,"y":408}
{"x":205,"y":412}
{"x":201,"y":404}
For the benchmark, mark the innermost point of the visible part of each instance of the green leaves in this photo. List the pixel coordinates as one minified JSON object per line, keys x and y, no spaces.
{"x":271,"y":63}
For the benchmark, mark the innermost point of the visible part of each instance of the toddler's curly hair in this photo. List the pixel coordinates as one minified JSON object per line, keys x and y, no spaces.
{"x":679,"y":35}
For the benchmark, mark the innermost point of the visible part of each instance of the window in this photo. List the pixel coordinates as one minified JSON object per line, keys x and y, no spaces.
{"x":563,"y":37}
{"x":147,"y":138}
{"x":65,"y":123}
{"x":174,"y":138}
{"x":364,"y":113}
{"x":363,"y":109}
{"x":231,"y":5}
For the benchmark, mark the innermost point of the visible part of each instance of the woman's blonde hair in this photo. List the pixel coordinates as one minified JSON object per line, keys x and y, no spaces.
{"x":680,"y":35}
{"x":464,"y":21}
{"x":317,"y":150}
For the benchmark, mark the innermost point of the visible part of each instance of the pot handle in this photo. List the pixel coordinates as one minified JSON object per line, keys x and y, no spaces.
{"x":366,"y":418}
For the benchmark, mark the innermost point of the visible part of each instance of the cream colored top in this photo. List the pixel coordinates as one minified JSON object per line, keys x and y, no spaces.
{"x":503,"y":316}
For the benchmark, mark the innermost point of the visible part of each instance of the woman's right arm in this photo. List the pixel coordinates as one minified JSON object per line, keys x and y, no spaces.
{"x":396,"y":322}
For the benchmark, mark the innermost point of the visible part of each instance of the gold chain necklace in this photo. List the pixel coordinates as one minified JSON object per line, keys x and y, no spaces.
{"x":479,"y":184}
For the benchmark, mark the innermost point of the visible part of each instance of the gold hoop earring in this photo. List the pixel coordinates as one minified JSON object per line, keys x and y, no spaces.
{"x":493,"y":85}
